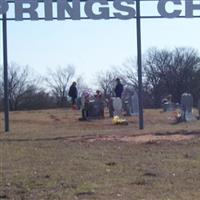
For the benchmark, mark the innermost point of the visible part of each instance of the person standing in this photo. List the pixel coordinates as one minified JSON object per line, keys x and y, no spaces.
{"x":118,"y":88}
{"x":73,"y":94}
{"x":100,"y":100}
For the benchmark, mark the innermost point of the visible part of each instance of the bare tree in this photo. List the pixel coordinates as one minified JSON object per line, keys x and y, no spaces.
{"x":106,"y":82}
{"x":36,"y":98}
{"x":128,"y":73}
{"x":19,"y":82}
{"x":172,"y":72}
{"x":81,"y":85}
{"x":58,"y":81}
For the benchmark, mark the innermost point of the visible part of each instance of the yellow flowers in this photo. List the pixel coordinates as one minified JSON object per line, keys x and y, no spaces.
{"x":118,"y":120}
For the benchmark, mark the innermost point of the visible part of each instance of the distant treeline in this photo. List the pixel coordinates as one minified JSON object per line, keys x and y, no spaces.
{"x":28,"y":91}
{"x":164,"y":72}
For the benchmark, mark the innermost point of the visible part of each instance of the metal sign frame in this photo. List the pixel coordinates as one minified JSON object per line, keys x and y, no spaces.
{"x":138,"y":18}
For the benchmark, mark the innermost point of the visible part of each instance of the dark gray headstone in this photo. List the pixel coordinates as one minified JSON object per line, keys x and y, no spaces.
{"x":168,"y":106}
{"x":198,"y":107}
{"x":130,"y":102}
{"x":134,"y":104}
{"x":95,"y":109}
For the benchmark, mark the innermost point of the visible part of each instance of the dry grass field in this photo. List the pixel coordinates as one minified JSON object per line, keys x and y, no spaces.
{"x":50,"y":155}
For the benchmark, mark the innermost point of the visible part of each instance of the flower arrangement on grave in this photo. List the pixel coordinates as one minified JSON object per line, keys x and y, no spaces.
{"x":175,"y":117}
{"x":119,"y":121}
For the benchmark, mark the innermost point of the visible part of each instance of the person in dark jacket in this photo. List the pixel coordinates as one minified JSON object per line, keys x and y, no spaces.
{"x":119,"y":88}
{"x":73,"y":93}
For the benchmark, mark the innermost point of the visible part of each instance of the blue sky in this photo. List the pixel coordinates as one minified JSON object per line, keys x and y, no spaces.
{"x":93,"y":46}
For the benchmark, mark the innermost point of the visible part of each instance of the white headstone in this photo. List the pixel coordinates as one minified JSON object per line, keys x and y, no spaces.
{"x":117,"y":106}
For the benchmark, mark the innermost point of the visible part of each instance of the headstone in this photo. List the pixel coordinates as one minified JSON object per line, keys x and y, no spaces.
{"x":110,"y":107}
{"x":126,"y":100}
{"x":95,"y":109}
{"x":126,"y":107}
{"x":130,"y":102}
{"x":186,"y":107}
{"x":198,"y":107}
{"x":117,"y":106}
{"x":134,"y":105}
{"x":92,"y":108}
{"x":168,"y":105}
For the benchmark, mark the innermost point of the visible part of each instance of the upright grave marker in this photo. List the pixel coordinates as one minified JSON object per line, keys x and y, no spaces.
{"x":186,"y":106}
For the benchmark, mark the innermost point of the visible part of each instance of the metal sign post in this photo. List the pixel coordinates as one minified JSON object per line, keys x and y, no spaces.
{"x":139,"y":63}
{"x":5,"y":67}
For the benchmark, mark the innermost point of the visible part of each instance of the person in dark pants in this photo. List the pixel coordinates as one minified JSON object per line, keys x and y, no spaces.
{"x":73,"y":93}
{"x":84,"y":106}
{"x":119,"y":88}
{"x":99,"y":98}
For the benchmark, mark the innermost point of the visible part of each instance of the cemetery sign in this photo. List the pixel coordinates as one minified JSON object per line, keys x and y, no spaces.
{"x":94,"y":9}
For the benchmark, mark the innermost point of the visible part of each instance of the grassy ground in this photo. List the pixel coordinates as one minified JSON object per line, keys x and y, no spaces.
{"x":51,"y":155}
